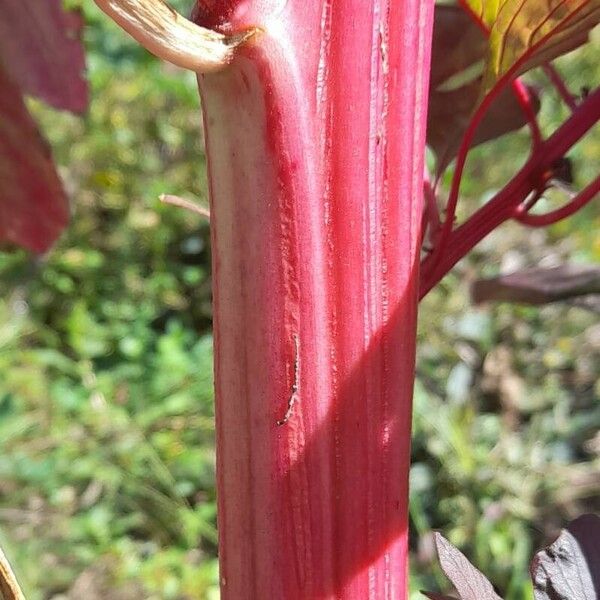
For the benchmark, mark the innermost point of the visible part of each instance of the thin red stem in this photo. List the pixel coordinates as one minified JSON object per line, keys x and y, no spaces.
{"x":439,"y":253}
{"x":461,"y":159}
{"x":524,"y":98}
{"x":585,"y":196}
{"x":502,"y":206}
{"x":557,"y":81}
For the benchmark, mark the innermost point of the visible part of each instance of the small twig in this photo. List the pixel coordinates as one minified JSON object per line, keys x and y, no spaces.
{"x":579,"y":201}
{"x":293,"y":397}
{"x":9,"y":586}
{"x":187,"y":204}
{"x":563,"y":91}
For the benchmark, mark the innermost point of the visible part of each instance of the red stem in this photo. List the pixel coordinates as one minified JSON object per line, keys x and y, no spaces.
{"x":585,"y":196}
{"x":461,"y":160}
{"x":502,"y":206}
{"x":315,"y":145}
{"x":524,"y":98}
{"x":557,"y":81}
{"x":440,"y":251}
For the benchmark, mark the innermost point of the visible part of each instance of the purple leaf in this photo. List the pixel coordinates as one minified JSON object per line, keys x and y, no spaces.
{"x":41,"y":48}
{"x":539,"y":285}
{"x":33,"y":206}
{"x":470,"y":583}
{"x":569,"y":569}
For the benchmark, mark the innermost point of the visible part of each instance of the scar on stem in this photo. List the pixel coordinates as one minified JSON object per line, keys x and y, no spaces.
{"x":293,"y":397}
{"x":187,"y":204}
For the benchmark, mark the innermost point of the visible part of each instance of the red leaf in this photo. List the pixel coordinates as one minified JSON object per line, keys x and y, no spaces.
{"x":33,"y":206}
{"x":40,"y":46}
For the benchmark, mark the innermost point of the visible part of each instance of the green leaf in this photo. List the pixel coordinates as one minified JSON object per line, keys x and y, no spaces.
{"x":527,"y":33}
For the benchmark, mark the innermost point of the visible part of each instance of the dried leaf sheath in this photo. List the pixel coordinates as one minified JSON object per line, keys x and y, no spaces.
{"x":9,"y":586}
{"x":168,"y":35}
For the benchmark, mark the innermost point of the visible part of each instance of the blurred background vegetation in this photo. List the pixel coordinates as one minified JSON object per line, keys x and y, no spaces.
{"x":106,"y":414}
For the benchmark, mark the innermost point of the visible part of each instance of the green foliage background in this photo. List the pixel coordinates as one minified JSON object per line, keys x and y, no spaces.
{"x":106,"y":416}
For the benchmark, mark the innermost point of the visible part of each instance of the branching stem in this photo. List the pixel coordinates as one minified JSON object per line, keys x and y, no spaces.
{"x":585,"y":196}
{"x":440,"y":254}
{"x":502,"y":207}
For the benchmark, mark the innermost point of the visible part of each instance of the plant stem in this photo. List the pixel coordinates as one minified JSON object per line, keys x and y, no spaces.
{"x":524,"y":98}
{"x":315,"y":144}
{"x":563,"y":91}
{"x":577,"y":203}
{"x":502,"y":207}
